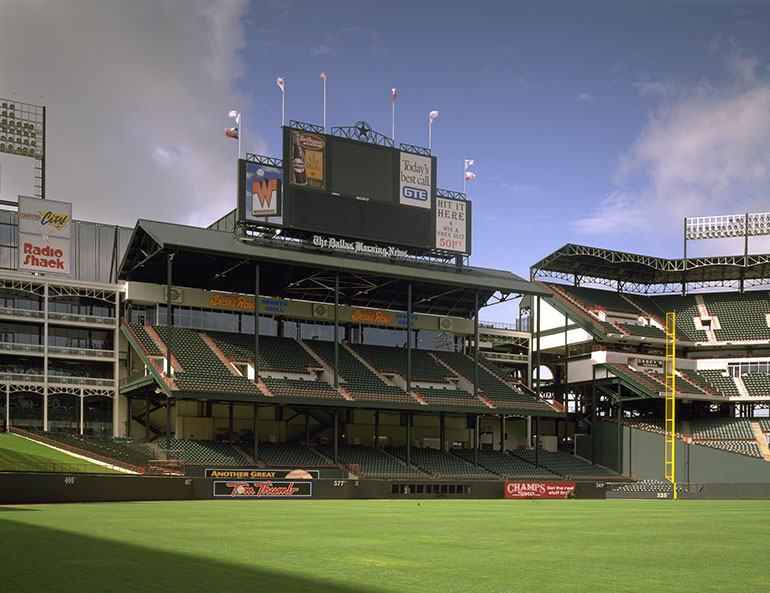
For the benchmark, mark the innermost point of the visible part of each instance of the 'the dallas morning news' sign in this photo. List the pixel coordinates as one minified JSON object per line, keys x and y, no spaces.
{"x":44,"y":236}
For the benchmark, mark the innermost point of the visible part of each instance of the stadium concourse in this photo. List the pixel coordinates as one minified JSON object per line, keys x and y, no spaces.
{"x":603,"y":337}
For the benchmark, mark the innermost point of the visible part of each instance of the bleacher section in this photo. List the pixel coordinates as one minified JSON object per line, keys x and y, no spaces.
{"x":357,"y":379}
{"x":449,"y":397}
{"x":757,"y":383}
{"x":202,"y":370}
{"x":643,"y":331}
{"x":721,"y":428}
{"x":718,"y":381}
{"x":275,"y":354}
{"x":685,"y":308}
{"x":563,"y":464}
{"x":440,"y":464}
{"x":741,"y":316}
{"x":606,"y":299}
{"x":504,"y":464}
{"x":291,"y":455}
{"x":372,"y":463}
{"x":119,"y":449}
{"x":300,"y":388}
{"x":492,"y":385}
{"x":200,"y":452}
{"x":394,"y":361}
{"x":146,"y":340}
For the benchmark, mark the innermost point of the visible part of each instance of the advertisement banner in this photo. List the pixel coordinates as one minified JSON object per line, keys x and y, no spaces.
{"x":308,"y":160}
{"x":263,"y":191}
{"x":262,"y":489}
{"x":415,"y":180}
{"x":539,"y":489}
{"x":44,"y":236}
{"x":257,"y":474}
{"x":451,"y":225}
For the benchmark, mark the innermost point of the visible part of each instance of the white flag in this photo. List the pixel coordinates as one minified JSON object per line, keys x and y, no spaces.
{"x":468,"y":163}
{"x":280,"y":84}
{"x":236,"y":115}
{"x":433,"y":115}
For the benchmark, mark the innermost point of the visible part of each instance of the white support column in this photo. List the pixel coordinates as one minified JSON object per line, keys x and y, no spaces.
{"x":82,"y":406}
{"x":46,"y":296}
{"x":116,"y":366}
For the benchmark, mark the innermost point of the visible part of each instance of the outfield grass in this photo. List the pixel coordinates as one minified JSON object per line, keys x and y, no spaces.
{"x":388,"y":546}
{"x":19,"y":453}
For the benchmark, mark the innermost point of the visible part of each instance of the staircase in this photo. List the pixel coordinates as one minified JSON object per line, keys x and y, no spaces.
{"x":759,"y":436}
{"x":741,"y":387}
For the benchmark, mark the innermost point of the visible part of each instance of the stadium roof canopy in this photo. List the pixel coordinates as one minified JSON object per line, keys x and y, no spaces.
{"x":578,"y":263}
{"x":221,"y":261}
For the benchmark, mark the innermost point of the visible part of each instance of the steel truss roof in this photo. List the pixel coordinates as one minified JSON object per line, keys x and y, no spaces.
{"x":641,"y":273}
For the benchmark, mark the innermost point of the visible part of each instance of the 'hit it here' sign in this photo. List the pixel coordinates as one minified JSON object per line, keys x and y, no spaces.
{"x":44,"y":236}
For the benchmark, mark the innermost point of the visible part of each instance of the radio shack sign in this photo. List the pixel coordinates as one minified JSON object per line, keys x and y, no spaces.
{"x":44,"y":236}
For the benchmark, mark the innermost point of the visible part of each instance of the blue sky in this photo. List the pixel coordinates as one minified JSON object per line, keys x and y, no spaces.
{"x":599,"y":123}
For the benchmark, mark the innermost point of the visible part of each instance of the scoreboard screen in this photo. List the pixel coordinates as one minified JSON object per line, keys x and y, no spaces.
{"x":361,"y":191}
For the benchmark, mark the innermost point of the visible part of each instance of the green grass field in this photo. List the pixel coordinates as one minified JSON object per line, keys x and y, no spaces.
{"x":395,"y":546}
{"x":19,"y":453}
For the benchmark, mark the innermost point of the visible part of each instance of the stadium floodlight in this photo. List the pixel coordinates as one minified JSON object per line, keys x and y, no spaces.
{"x":23,"y":133}
{"x":726,"y":226}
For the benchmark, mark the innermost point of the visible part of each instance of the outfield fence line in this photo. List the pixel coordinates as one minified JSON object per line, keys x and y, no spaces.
{"x":58,"y":466}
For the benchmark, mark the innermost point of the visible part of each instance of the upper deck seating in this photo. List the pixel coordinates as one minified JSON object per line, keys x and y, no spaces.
{"x":276,"y":354}
{"x":291,"y":455}
{"x":358,"y":380}
{"x":757,"y":383}
{"x":741,"y":316}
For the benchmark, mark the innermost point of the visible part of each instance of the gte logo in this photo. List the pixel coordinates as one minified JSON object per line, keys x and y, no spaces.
{"x":415,"y":193}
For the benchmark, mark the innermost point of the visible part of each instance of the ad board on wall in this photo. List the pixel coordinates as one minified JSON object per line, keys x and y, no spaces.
{"x":45,"y":228}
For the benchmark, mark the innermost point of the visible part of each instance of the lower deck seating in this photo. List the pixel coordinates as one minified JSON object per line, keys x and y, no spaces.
{"x":563,"y":463}
{"x":206,"y":451}
{"x":440,"y":464}
{"x":503,"y":464}
{"x":371,"y":462}
{"x":291,"y":455}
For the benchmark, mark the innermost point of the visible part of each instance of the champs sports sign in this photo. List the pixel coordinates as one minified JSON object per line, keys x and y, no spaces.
{"x":539,"y":489}
{"x":262,"y":489}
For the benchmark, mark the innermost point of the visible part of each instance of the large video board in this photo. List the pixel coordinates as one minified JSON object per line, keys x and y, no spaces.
{"x":345,"y":188}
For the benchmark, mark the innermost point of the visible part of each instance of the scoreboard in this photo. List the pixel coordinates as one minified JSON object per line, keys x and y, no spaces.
{"x":340,"y":187}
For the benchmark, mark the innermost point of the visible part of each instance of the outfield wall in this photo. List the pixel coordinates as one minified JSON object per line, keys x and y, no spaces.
{"x":37,"y":488}
{"x":643,"y":457}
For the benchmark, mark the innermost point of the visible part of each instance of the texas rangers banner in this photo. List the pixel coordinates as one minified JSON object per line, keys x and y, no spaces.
{"x":539,"y":489}
{"x":44,"y":236}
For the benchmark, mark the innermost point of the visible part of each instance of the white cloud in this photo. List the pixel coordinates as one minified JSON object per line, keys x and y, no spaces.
{"x":585,"y":98}
{"x":137,"y":96}
{"x":703,"y":151}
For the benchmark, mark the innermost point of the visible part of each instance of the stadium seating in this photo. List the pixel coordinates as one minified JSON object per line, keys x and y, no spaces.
{"x":275,"y":353}
{"x":643,"y":331}
{"x":201,"y":452}
{"x":372,"y":463}
{"x":757,"y":383}
{"x":492,"y":383}
{"x":150,"y":346}
{"x":741,"y":315}
{"x":202,"y":370}
{"x":440,"y":464}
{"x":300,"y":388}
{"x":288,"y":455}
{"x":449,"y":397}
{"x":357,"y":379}
{"x":719,"y":381}
{"x":394,"y":361}
{"x":563,"y":464}
{"x":120,"y":449}
{"x":504,"y":464}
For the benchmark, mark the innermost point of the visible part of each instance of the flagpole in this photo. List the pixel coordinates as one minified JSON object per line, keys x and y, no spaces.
{"x":465,"y":177}
{"x":240,"y":132}
{"x":430,"y":132}
{"x":394,"y":117}
{"x":283,"y":108}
